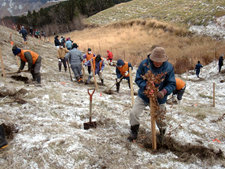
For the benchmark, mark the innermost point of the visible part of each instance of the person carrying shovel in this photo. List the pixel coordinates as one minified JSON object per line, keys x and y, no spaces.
{"x":98,"y":67}
{"x":157,"y":63}
{"x":122,"y":72}
{"x":34,"y":62}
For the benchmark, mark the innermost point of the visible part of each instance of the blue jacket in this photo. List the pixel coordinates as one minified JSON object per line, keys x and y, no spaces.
{"x":169,"y":83}
{"x":23,"y":32}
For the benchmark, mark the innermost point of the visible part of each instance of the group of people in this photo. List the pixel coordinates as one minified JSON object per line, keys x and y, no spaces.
{"x":36,"y":33}
{"x":156,"y":62}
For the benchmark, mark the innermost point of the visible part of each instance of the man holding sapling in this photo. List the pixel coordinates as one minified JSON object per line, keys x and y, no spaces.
{"x":156,"y":64}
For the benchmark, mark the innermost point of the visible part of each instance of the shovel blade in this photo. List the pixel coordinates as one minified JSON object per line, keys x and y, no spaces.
{"x":89,"y":125}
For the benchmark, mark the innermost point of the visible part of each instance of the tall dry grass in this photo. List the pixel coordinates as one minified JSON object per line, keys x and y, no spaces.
{"x":132,"y":41}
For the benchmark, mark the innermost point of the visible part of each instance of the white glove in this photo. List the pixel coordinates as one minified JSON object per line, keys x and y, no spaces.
{"x":59,"y":60}
{"x":126,"y":73}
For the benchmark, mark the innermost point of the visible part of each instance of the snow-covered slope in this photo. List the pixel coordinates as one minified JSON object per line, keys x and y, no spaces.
{"x":50,"y":123}
{"x":19,"y":7}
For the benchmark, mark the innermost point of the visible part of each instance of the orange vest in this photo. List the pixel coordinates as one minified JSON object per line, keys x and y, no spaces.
{"x":100,"y":66}
{"x":89,"y":56}
{"x":33,"y":54}
{"x":179,"y":84}
{"x":123,"y":69}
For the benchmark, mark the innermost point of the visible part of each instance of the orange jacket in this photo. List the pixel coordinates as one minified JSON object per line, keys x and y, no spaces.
{"x":89,"y":56}
{"x":179,"y":84}
{"x":33,"y":54}
{"x":100,"y":66}
{"x":123,"y":69}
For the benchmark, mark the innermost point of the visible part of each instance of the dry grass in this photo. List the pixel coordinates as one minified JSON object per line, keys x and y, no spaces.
{"x":132,"y":41}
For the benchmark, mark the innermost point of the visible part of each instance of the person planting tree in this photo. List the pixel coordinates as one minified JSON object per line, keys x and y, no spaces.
{"x":157,"y":63}
{"x":33,"y":59}
{"x":122,"y":71}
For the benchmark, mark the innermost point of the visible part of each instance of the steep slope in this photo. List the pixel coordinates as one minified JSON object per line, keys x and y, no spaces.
{"x":50,"y":121}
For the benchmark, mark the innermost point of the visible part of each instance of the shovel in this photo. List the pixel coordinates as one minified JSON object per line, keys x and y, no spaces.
{"x":108,"y":91}
{"x":90,"y":124}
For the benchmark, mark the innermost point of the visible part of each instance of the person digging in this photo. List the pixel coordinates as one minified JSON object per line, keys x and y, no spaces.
{"x":34,"y":62}
{"x":179,"y":91}
{"x":98,"y":67}
{"x":122,"y":71}
{"x":157,"y":63}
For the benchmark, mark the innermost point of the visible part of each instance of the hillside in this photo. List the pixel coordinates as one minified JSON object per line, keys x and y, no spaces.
{"x":50,"y":120}
{"x":198,"y":12}
{"x":201,"y":16}
{"x":132,"y":40}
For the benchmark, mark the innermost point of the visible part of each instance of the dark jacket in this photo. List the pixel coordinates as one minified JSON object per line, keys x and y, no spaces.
{"x":198,"y":67}
{"x":169,"y":83}
{"x":23,"y":32}
{"x":220,"y":61}
{"x":57,"y":43}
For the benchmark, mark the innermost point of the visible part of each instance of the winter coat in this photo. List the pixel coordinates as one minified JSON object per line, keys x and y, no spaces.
{"x":57,"y":43}
{"x":198,"y":67}
{"x":62,"y":52}
{"x":88,"y":57}
{"x":110,"y":55}
{"x":74,"y":56}
{"x":97,"y":65}
{"x":120,"y":71}
{"x":23,"y":32}
{"x":168,"y":83}
{"x":68,"y":44}
{"x":27,"y":56}
{"x":220,"y":61}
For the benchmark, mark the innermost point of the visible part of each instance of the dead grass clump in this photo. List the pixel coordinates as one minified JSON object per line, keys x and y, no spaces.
{"x":182,"y":64}
{"x":200,"y":116}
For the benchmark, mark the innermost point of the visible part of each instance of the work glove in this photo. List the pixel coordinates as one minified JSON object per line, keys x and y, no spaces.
{"x":126,"y":73}
{"x":161,"y":93}
{"x":85,"y":64}
{"x":59,"y":60}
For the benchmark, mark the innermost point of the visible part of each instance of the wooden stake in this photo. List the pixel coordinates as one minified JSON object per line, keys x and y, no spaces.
{"x":214,"y":88}
{"x":83,"y":70}
{"x":152,"y":111}
{"x":131,"y":87}
{"x":2,"y":64}
{"x":96,"y":85}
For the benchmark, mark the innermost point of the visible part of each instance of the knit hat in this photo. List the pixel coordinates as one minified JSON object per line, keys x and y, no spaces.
{"x":158,"y":55}
{"x":89,"y":49}
{"x":16,"y":50}
{"x":98,"y":58}
{"x":75,"y":45}
{"x":120,"y":62}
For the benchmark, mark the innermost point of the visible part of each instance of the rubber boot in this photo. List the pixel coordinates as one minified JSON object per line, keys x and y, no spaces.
{"x":38,"y":78}
{"x":134,"y":133}
{"x":102,"y":80}
{"x":88,"y":80}
{"x":3,"y":142}
{"x":117,"y":87}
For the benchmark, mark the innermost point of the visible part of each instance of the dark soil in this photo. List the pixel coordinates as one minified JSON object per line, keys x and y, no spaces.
{"x":19,"y":78}
{"x":186,"y":152}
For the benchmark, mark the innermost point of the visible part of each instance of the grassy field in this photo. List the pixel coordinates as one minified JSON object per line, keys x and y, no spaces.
{"x":191,"y":12}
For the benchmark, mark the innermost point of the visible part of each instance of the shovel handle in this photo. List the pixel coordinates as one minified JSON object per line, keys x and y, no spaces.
{"x":91,"y":94}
